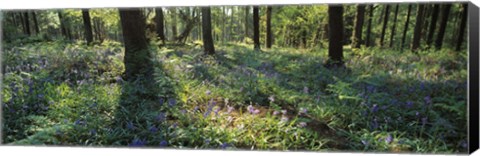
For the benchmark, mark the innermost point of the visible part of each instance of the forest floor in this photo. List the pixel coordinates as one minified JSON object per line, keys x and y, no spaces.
{"x":57,"y":93}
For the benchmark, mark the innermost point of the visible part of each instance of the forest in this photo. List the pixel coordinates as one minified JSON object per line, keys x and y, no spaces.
{"x":382,"y":77}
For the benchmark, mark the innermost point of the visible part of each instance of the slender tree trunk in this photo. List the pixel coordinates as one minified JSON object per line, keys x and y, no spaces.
{"x":443,"y":25}
{"x":137,"y":57}
{"x":394,"y":24}
{"x":463,"y":25}
{"x":208,"y":46}
{"x":27,"y":23}
{"x":418,"y":28}
{"x":406,"y":27}
{"x":173,"y":12}
{"x":22,"y":21}
{"x":433,"y":24}
{"x":87,"y":25}
{"x":357,"y":32}
{"x":62,"y":24}
{"x":223,"y":24}
{"x":369,"y":27}
{"x":256,"y":28}
{"x":246,"y":21}
{"x":269,"y":27}
{"x":385,"y":22}
{"x":159,"y":24}
{"x":335,"y":27}
{"x":35,"y":22}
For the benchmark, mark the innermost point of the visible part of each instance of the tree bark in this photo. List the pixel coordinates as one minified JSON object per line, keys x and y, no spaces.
{"x":463,"y":25}
{"x":369,"y":27}
{"x":27,"y":23}
{"x":173,"y":12}
{"x":88,"y":26}
{"x":35,"y":22}
{"x":433,"y":24}
{"x":335,"y":27}
{"x":137,"y":57}
{"x":418,"y":28}
{"x":357,"y":33}
{"x":406,"y":27}
{"x":269,"y":27}
{"x":256,"y":28}
{"x":159,"y":24}
{"x":443,"y":26}
{"x":246,"y":21}
{"x":393,"y":26}
{"x":385,"y":22}
{"x":208,"y":46}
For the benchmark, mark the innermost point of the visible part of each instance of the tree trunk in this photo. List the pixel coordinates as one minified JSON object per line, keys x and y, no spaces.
{"x":385,"y":22}
{"x":27,"y":23}
{"x":246,"y":21}
{"x":369,"y":27}
{"x":406,"y":27}
{"x":462,"y":27}
{"x":137,"y":57}
{"x":35,"y":22}
{"x":209,"y":49}
{"x":418,"y":28}
{"x":433,"y":24}
{"x":159,"y":24}
{"x":62,"y":24}
{"x":173,"y":12}
{"x":393,"y":26}
{"x":269,"y":27}
{"x":443,"y":26}
{"x":88,"y":26}
{"x":256,"y":28}
{"x":357,"y":32}
{"x":335,"y":43}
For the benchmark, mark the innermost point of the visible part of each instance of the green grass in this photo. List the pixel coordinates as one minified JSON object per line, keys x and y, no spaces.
{"x":78,"y":98}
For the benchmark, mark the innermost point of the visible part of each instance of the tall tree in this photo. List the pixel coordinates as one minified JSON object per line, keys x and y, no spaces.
{"x":256,"y":28}
{"x":209,"y":49}
{"x":137,"y":56}
{"x":159,"y":24}
{"x":247,"y":10}
{"x":173,"y":13}
{"x":394,"y":24}
{"x":369,"y":27}
{"x":87,"y":25}
{"x":269,"y":27}
{"x":463,"y":25}
{"x":35,"y":22}
{"x":27,"y":23}
{"x":433,"y":23}
{"x":63,"y":26}
{"x":443,"y":25}
{"x":357,"y":32}
{"x":385,"y":22}
{"x":335,"y":35}
{"x":406,"y":26}
{"x":418,"y":28}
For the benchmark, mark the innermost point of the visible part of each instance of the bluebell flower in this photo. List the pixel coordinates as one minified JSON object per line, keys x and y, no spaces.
{"x":163,"y":143}
{"x":375,"y":108}
{"x":93,"y":132}
{"x":275,"y":112}
{"x":161,"y":101}
{"x":250,"y":109}
{"x":409,"y":104}
{"x":137,"y":143}
{"x":256,"y":111}
{"x":428,"y":100}
{"x":374,"y":123}
{"x":208,"y":92}
{"x":224,"y":145}
{"x":303,"y":111}
{"x":389,"y":139}
{"x":130,"y":126}
{"x":207,"y":141}
{"x":417,"y":114}
{"x":161,"y":117}
{"x":216,"y":111}
{"x":422,"y":86}
{"x":370,"y":88}
{"x":424,"y":120}
{"x":172,"y":102}
{"x":153,"y":129}
{"x":230,"y":109}
{"x":284,"y":112}
{"x":195,"y":108}
{"x":464,"y":144}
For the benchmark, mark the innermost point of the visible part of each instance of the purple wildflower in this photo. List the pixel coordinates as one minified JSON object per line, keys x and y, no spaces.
{"x":409,"y":104}
{"x":389,"y":139}
{"x":163,"y":143}
{"x":375,"y":108}
{"x":130,"y":126}
{"x":305,"y":90}
{"x":208,"y":92}
{"x":256,"y":111}
{"x":303,"y":111}
{"x":424,"y":120}
{"x":195,"y":108}
{"x":428,"y":100}
{"x":161,"y":117}
{"x":417,"y":114}
{"x":172,"y":102}
{"x":137,"y":143}
{"x":224,"y":145}
{"x":207,"y":141}
{"x":217,"y":110}
{"x":464,"y":144}
{"x":284,"y":112}
{"x":93,"y":132}
{"x":161,"y":101}
{"x":153,"y":129}
{"x":275,"y":112}
{"x":230,"y":109}
{"x":250,"y":109}
{"x":302,"y":124}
